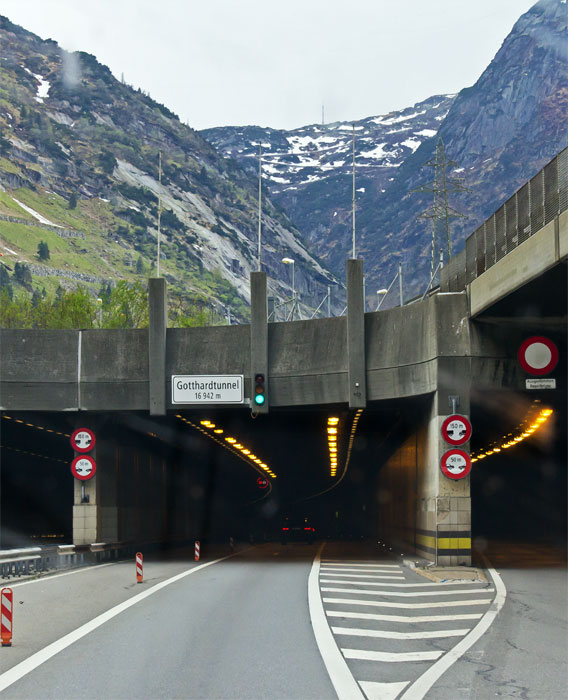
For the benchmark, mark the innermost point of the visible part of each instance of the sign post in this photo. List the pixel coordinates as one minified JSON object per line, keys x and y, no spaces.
{"x":139,"y":567}
{"x":7,"y":610}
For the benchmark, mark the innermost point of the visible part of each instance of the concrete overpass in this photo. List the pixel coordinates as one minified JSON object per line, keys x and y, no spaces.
{"x":458,"y":342}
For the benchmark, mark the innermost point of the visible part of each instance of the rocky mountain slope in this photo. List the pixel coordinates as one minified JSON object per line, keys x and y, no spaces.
{"x":500,"y":132}
{"x":79,"y":170}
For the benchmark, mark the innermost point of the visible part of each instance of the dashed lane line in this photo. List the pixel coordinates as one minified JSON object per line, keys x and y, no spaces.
{"x":384,"y":634}
{"x":402,"y":594}
{"x":373,"y":576}
{"x":411,"y":619}
{"x":381,"y":604}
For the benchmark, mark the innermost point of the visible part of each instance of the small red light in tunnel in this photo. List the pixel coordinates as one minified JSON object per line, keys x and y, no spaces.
{"x":285,"y":528}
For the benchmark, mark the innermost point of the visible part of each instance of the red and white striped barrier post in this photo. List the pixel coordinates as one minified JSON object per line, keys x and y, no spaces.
{"x":6,"y":609}
{"x":139,"y":567}
{"x":196,"y":550}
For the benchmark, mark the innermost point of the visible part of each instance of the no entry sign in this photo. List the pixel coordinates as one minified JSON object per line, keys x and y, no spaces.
{"x":262,"y":483}
{"x":83,"y":440}
{"x":455,"y":464}
{"x":538,"y":355}
{"x":456,"y":429}
{"x":83,"y":467}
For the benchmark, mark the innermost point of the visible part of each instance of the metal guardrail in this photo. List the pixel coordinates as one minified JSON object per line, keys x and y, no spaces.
{"x":36,"y":560}
{"x":534,"y":205}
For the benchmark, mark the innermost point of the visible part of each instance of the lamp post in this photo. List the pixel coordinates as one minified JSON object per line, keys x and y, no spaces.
{"x":289,"y":261}
{"x":381,"y":293}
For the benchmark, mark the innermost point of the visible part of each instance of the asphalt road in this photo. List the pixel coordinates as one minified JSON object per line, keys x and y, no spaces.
{"x":290,"y":623}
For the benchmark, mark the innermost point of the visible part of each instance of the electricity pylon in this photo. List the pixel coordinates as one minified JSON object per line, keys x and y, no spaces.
{"x":441,"y":212}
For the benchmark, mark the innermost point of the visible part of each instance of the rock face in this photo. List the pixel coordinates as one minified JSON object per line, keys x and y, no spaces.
{"x":68,"y":129}
{"x":501,"y":131}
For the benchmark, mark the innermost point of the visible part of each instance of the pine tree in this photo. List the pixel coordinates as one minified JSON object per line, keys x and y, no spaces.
{"x":43,"y":251}
{"x":72,"y":201}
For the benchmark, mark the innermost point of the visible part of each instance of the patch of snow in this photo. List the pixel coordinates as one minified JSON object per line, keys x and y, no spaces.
{"x":280,"y":179}
{"x":411,"y":143}
{"x":459,"y":170}
{"x":35,"y":214}
{"x":361,"y":189}
{"x":397,"y":131}
{"x":377,"y":152}
{"x":440,"y":118}
{"x":426,"y":132}
{"x":334,"y":213}
{"x":396,"y":120}
{"x":13,"y":252}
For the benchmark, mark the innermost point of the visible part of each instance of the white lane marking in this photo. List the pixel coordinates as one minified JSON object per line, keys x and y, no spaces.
{"x":353,"y":563}
{"x":398,"y":585}
{"x":341,"y":677}
{"x":402,"y":594}
{"x":384,"y":604}
{"x":374,"y":569}
{"x":423,"y":684}
{"x":382,"y":691}
{"x":402,"y":618}
{"x":32,"y":662}
{"x":43,"y":579}
{"x":373,"y":576}
{"x":383,"y":634}
{"x":391,"y":656}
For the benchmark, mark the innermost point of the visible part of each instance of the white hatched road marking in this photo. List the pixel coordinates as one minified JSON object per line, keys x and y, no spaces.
{"x":381,"y":576}
{"x":334,"y":579}
{"x":399,"y":585}
{"x":382,"y":691}
{"x":414,"y":594}
{"x":383,"y":634}
{"x":391,"y":656}
{"x":354,"y":563}
{"x":401,"y":618}
{"x":380,"y":604}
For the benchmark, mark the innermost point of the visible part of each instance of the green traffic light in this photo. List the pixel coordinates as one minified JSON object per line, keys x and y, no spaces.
{"x":259,"y":399}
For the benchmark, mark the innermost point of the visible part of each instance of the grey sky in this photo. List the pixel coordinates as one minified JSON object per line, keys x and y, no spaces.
{"x":274,"y":62}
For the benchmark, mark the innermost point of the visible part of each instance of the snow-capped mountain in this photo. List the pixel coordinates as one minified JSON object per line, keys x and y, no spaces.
{"x":309,"y":170}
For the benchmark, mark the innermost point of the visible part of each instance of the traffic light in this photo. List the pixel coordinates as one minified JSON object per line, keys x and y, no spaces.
{"x":259,"y":389}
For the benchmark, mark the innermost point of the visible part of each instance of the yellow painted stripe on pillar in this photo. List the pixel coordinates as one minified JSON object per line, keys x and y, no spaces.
{"x":426,"y":540}
{"x":454,"y":543}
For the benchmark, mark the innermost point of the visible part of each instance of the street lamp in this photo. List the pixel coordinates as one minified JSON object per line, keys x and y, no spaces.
{"x":381,"y":293}
{"x":289,"y":261}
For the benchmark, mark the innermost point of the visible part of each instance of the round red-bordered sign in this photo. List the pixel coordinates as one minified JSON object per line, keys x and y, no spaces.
{"x":538,"y":355}
{"x":83,"y":440}
{"x":83,"y":467}
{"x":456,"y":429}
{"x":262,"y":483}
{"x":455,"y":464}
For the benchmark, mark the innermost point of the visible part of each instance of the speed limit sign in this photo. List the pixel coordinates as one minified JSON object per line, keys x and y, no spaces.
{"x":455,"y":464}
{"x":456,"y":429}
{"x":83,"y":467}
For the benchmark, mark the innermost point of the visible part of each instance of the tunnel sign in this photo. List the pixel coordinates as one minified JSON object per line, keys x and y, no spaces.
{"x":83,"y":440}
{"x":202,"y":388}
{"x":262,"y":483}
{"x":83,"y":467}
{"x":538,"y":355}
{"x":456,"y":464}
{"x":456,"y":429}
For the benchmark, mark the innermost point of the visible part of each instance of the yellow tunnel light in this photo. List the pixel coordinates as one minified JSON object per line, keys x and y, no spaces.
{"x":204,"y":422}
{"x":218,"y":431}
{"x":332,"y":420}
{"x":246,"y":452}
{"x":542,"y":419}
{"x":231,"y":440}
{"x":253,"y":457}
{"x":332,"y":431}
{"x":238,"y":446}
{"x":496,"y":449}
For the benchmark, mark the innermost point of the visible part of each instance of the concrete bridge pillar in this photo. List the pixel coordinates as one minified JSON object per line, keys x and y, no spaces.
{"x":443,"y":505}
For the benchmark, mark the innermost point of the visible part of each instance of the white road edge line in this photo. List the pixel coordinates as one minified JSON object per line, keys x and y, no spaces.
{"x":423,"y":684}
{"x":341,"y":677}
{"x":32,"y":662}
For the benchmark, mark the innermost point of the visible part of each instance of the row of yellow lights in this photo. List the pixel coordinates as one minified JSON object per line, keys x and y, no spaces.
{"x":215,"y":432}
{"x":356,"y":418}
{"x":37,"y":427}
{"x":34,"y":454}
{"x":511,"y":439}
{"x":332,"y":433}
